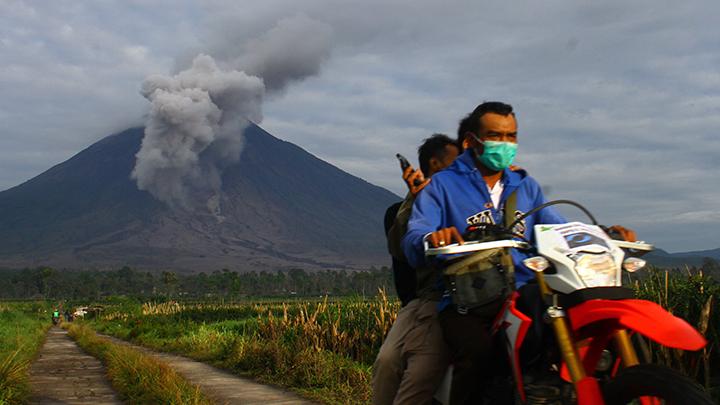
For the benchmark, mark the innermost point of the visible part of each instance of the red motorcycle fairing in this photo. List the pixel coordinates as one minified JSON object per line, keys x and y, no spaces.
{"x":516,"y":325}
{"x":594,"y":322}
{"x":645,"y":317}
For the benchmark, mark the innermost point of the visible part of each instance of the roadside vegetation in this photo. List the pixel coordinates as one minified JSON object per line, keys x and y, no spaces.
{"x":692,"y":295}
{"x":138,"y":378}
{"x":22,"y":332}
{"x":321,"y":348}
{"x":324,"y":348}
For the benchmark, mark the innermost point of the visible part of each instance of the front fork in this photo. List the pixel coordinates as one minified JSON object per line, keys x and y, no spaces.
{"x":625,"y":348}
{"x":587,"y":388}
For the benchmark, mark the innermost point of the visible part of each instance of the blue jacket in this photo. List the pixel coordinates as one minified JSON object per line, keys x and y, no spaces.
{"x":458,"y":196}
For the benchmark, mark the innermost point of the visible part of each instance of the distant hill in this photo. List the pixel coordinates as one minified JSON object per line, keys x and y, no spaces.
{"x":662,"y":258}
{"x":281,"y":207}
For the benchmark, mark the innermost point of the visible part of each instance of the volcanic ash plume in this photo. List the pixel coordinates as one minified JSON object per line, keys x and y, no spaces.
{"x":194,"y":128}
{"x":293,"y":50}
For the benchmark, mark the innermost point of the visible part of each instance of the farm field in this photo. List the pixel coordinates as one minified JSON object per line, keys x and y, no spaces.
{"x":323,"y":349}
{"x":22,"y":331}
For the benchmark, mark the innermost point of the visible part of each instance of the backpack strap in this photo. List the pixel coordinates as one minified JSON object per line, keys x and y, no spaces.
{"x":510,"y":208}
{"x":508,"y":218}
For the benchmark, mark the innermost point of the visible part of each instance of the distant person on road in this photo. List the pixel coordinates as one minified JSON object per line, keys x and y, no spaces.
{"x":413,"y":357}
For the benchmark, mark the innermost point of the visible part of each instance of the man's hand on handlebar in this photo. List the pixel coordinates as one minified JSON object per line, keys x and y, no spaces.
{"x":415,"y":180}
{"x":624,"y":233}
{"x":444,"y":237}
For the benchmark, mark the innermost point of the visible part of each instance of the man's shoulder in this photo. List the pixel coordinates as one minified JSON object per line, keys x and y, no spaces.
{"x":520,"y":177}
{"x":450,"y":174}
{"x":393,"y":208}
{"x":390,"y":215}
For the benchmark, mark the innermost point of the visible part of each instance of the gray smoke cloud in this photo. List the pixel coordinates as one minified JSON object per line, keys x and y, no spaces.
{"x":196,"y":119}
{"x":291,"y":51}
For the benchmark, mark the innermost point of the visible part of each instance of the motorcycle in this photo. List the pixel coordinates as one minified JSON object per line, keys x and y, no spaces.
{"x":594,"y":320}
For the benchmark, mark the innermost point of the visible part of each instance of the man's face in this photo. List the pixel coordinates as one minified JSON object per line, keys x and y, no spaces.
{"x":451,"y":152}
{"x":496,"y":127}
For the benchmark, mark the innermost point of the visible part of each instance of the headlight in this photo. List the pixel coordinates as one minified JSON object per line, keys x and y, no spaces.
{"x":596,"y":270}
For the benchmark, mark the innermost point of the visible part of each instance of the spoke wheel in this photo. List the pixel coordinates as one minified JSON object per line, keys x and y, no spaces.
{"x":653,"y":384}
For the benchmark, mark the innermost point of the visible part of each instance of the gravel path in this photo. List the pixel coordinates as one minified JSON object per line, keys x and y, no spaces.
{"x":222,"y":386}
{"x":64,"y":374}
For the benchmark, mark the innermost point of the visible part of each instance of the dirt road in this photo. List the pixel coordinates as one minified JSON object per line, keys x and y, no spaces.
{"x":64,"y":374}
{"x":222,"y":386}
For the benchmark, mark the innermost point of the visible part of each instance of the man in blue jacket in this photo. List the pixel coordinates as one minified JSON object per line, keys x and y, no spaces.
{"x":472,"y":191}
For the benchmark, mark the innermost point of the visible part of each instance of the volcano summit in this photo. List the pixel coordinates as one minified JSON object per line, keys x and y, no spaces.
{"x":279,"y":207}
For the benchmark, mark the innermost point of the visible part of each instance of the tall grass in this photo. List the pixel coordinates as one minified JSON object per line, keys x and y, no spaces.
{"x":325,"y":348}
{"x":139,"y":378}
{"x":22,"y":331}
{"x":689,"y":294}
{"x":353,"y":329}
{"x":322,"y":348}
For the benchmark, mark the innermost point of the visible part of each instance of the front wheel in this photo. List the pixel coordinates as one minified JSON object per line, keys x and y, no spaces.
{"x":651,"y":380}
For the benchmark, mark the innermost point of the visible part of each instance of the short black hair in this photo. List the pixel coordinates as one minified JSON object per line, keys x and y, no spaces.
{"x":463,"y":128}
{"x":473,"y":124}
{"x":433,"y":147}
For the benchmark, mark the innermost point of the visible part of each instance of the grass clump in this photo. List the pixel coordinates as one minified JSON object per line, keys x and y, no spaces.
{"x":691,"y":295}
{"x":138,"y":378}
{"x":317,"y":374}
{"x":22,"y":332}
{"x":13,"y":379}
{"x":323,"y":349}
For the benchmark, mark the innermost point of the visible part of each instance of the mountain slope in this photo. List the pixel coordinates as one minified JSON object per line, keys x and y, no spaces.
{"x":279,"y":207}
{"x":662,"y":258}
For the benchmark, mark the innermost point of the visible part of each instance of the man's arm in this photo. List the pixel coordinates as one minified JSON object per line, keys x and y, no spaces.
{"x":426,"y":217}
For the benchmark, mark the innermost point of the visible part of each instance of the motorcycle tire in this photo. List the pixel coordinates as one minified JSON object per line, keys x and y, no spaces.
{"x":657,"y":381}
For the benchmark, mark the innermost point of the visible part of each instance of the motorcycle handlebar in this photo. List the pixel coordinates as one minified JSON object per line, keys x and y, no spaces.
{"x":469,"y":247}
{"x":472,"y":246}
{"x":646,"y":247}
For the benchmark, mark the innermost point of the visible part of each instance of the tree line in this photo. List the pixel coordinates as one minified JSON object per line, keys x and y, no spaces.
{"x":49,"y":283}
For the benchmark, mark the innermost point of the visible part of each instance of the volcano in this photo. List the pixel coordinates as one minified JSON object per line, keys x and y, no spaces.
{"x":280,"y":207}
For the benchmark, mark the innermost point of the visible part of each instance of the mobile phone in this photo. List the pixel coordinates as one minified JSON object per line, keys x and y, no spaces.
{"x":404,"y":164}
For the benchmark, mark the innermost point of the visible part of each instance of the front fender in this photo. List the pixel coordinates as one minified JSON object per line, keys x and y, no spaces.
{"x":644,"y":317}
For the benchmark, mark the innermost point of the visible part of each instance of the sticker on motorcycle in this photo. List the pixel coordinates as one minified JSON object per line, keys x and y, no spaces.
{"x":580,"y":239}
{"x":578,"y":236}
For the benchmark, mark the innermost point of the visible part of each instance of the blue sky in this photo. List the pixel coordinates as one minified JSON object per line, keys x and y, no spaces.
{"x":618,"y":102}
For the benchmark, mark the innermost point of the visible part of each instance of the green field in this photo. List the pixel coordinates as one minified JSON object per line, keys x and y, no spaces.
{"x":324,"y":348}
{"x":22,"y":331}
